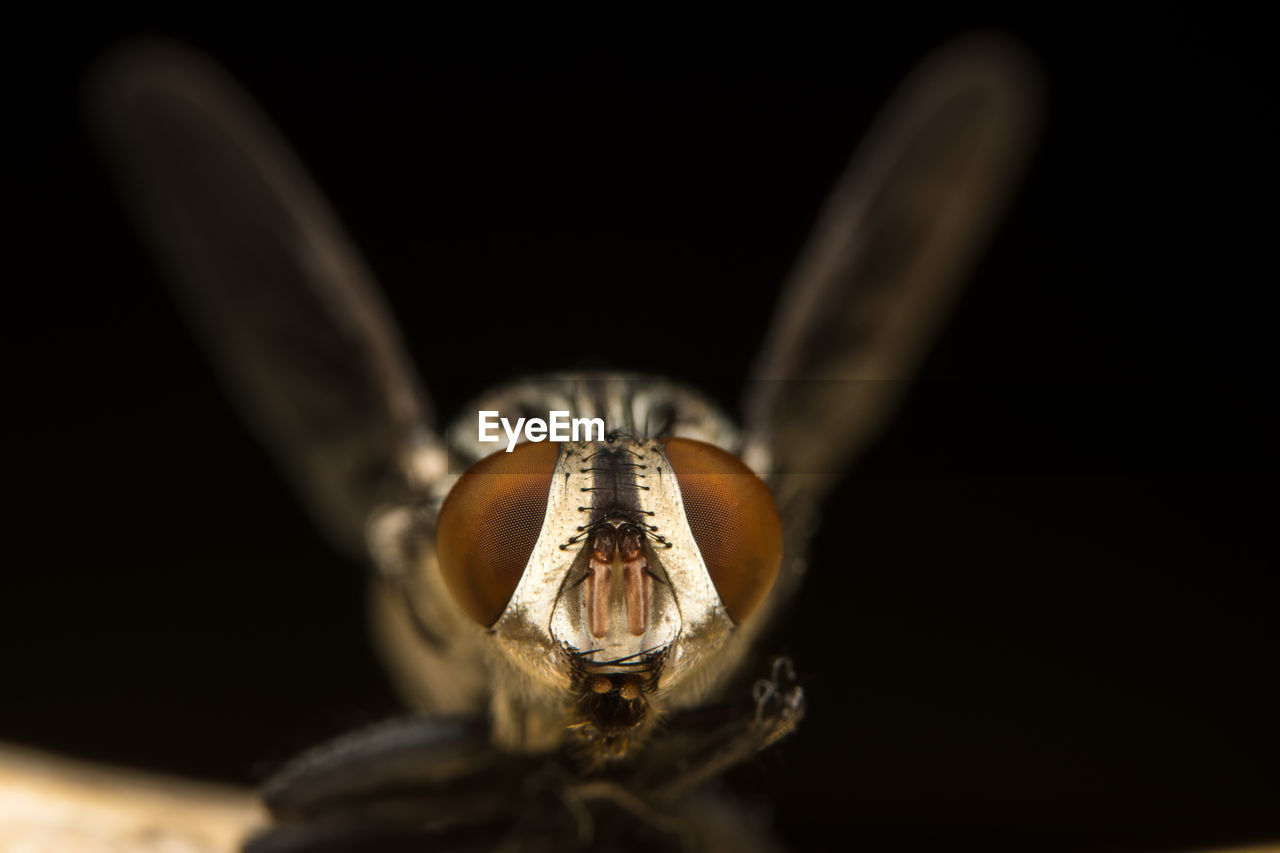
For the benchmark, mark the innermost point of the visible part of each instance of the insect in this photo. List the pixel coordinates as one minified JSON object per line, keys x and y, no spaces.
{"x":577,"y":620}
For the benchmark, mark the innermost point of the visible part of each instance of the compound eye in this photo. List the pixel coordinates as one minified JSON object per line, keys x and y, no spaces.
{"x":489,"y":524}
{"x":734,"y":521}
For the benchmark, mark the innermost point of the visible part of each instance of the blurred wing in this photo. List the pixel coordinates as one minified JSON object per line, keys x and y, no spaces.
{"x":885,"y":262}
{"x":284,"y":304}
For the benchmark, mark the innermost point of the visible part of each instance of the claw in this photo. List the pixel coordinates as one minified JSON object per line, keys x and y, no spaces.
{"x":779,"y":702}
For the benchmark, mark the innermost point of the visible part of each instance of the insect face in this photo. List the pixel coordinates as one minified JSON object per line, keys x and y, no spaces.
{"x":609,"y":573}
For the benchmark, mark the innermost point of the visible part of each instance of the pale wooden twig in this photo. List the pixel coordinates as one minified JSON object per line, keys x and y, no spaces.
{"x":55,"y":805}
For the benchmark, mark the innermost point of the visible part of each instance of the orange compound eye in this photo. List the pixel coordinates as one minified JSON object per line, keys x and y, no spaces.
{"x":734,"y":521}
{"x":489,"y":524}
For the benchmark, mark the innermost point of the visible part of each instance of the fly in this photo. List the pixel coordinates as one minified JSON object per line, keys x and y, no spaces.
{"x":577,"y":622}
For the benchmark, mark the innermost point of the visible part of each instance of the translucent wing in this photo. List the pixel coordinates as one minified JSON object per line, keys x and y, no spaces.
{"x":883,"y":266}
{"x":287,"y":308}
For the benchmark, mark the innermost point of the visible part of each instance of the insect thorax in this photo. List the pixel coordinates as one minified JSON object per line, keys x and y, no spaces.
{"x":630,"y":405}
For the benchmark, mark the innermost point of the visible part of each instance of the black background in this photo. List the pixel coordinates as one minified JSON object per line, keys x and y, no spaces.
{"x":1042,"y":611}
